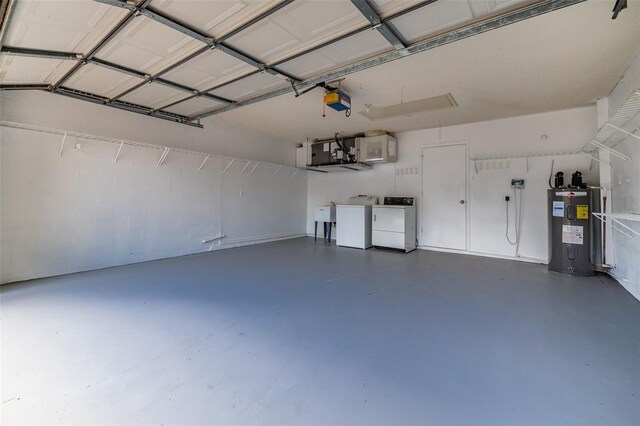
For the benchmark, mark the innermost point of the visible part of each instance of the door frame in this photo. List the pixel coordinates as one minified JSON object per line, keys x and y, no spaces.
{"x":467,"y":191}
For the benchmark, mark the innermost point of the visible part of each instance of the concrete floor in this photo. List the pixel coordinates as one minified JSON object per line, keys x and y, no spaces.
{"x":298,"y":332}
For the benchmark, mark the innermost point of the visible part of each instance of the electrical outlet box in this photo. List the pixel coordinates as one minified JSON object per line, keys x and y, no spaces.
{"x":517,"y":183}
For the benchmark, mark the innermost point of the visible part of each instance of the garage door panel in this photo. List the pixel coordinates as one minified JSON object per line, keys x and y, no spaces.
{"x":148,"y":46}
{"x":63,"y":25}
{"x":297,"y":27}
{"x":208,"y":70}
{"x":29,"y":70}
{"x":194,"y":106}
{"x":101,"y":81}
{"x":216,"y":18}
{"x":344,"y":52}
{"x":255,"y":84}
{"x":154,"y":95}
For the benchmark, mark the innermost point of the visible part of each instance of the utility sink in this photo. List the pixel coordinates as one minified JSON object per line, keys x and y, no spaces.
{"x":325,"y":214}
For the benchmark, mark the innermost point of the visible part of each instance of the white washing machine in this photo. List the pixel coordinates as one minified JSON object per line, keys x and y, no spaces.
{"x":353,"y":222}
{"x":394,"y":224}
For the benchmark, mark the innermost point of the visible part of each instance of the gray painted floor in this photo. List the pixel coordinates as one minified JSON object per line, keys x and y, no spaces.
{"x":298,"y":332}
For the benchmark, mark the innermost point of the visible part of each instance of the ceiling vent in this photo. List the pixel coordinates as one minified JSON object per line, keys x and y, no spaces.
{"x":410,"y":108}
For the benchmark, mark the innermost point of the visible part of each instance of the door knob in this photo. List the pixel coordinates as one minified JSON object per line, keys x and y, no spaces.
{"x":461,"y":201}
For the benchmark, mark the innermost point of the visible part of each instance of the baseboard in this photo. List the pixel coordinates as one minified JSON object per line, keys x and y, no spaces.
{"x":487,"y":254}
{"x":239,"y":242}
{"x":320,"y":235}
{"x":626,"y":284}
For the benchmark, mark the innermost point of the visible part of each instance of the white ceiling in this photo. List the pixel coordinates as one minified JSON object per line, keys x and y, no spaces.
{"x":149,"y":47}
{"x":559,"y":60}
{"x":209,"y":69}
{"x":28,"y":70}
{"x":63,"y":25}
{"x":194,"y":106}
{"x":299,"y":26}
{"x":101,"y":81}
{"x":216,"y":18}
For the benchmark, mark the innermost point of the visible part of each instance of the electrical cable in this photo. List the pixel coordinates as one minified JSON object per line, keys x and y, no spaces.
{"x":551,"y":174}
{"x":517,"y":203}
{"x":519,"y":223}
{"x":506,"y":232}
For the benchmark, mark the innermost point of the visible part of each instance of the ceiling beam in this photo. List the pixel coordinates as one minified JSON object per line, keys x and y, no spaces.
{"x":148,"y":79}
{"x":315,"y":48}
{"x":101,"y":100}
{"x":203,"y":38}
{"x":255,"y":20}
{"x":6,"y":11}
{"x":387,"y":20}
{"x":139,"y":109}
{"x":38,"y":53}
{"x":320,"y":46}
{"x":470,"y":30}
{"x":209,"y":42}
{"x":384,"y":28}
{"x":24,"y":87}
{"x":112,"y":34}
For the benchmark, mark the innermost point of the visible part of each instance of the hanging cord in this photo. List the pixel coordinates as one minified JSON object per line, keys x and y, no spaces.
{"x":506,"y":232}
{"x":519,"y":223}
{"x":517,"y":202}
{"x":551,"y":174}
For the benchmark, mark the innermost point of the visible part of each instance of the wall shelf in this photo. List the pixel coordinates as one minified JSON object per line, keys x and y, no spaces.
{"x":165,"y":150}
{"x":617,"y":219}
{"x":623,"y":125}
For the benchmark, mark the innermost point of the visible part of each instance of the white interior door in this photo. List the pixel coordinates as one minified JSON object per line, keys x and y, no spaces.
{"x":444,"y":196}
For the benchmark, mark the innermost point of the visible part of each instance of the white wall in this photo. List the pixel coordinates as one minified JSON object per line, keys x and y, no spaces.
{"x":625,"y":196}
{"x":81,"y":210}
{"x":55,"y":111}
{"x":566,"y":131}
{"x":625,"y":191}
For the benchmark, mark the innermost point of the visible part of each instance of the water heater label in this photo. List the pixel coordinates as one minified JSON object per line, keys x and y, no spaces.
{"x":572,"y":234}
{"x":582,"y":212}
{"x":571,"y":194}
{"x":558,"y":208}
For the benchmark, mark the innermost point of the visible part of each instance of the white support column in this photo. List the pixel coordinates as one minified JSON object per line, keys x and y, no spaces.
{"x":604,"y":172}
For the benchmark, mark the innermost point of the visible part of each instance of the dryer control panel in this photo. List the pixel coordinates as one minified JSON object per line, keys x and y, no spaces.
{"x":399,"y":201}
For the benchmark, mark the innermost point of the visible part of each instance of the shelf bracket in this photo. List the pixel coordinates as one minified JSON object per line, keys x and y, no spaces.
{"x":623,"y":131}
{"x":615,"y":221}
{"x":162,"y":157}
{"x":594,"y":158}
{"x":64,"y":138}
{"x":274,"y":175}
{"x":245,"y":166}
{"x":228,"y":165}
{"x":118,"y":153}
{"x":203,"y":161}
{"x":254,"y":168}
{"x":610,"y":150}
{"x":208,"y":240}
